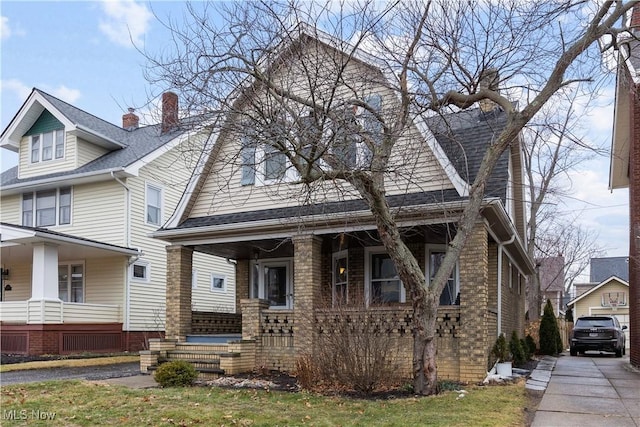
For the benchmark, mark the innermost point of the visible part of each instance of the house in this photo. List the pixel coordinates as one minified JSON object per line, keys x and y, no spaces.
{"x":609,"y":297}
{"x":79,"y":270}
{"x":603,"y":268}
{"x":551,"y":270}
{"x":625,"y":160}
{"x":297,"y":258}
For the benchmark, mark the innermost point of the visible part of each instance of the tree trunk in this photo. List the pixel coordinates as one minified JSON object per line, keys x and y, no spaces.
{"x":425,"y":378}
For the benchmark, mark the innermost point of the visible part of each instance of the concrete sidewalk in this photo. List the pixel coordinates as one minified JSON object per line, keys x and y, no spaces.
{"x":591,"y":390}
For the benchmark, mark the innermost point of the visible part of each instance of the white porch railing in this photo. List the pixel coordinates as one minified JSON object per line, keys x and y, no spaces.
{"x":34,"y":312}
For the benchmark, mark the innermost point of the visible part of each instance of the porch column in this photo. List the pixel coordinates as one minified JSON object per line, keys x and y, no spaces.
{"x":307,"y":266}
{"x":474,"y":304}
{"x":44,"y":276}
{"x":242,"y":283}
{"x":178,"y":293}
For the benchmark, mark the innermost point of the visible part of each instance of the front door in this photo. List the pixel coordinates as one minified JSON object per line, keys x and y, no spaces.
{"x":274,"y":283}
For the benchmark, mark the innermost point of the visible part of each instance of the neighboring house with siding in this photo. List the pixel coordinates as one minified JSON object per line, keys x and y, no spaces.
{"x":80,"y":271}
{"x":625,"y":160}
{"x":296,"y":258}
{"x":551,"y":271}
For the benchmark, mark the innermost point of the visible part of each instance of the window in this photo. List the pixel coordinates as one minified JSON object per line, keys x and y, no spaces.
{"x":140,"y":271}
{"x":51,"y":207}
{"x":71,"y":282}
{"x":271,"y":280}
{"x":154,"y":205}
{"x":218,"y":283}
{"x":383,"y":281}
{"x":451,"y":293}
{"x":340,"y":291}
{"x":275,"y":163}
{"x":47,"y":146}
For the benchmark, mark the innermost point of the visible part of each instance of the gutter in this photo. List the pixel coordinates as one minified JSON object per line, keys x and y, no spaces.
{"x":501,"y":245}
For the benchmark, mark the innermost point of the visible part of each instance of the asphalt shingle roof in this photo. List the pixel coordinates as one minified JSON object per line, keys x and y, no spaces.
{"x":464,"y":137}
{"x":137,"y":143}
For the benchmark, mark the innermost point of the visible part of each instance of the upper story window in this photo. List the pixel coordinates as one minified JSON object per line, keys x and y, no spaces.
{"x":47,"y":146}
{"x":153,"y":205}
{"x":47,"y":208}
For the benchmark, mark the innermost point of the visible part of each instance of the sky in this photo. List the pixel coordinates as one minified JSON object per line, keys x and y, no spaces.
{"x":86,"y":53}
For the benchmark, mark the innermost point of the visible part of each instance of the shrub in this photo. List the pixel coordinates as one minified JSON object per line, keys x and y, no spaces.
{"x":531,"y":343}
{"x":525,"y":350}
{"x":516,"y":350}
{"x":177,"y":373}
{"x":500,"y":349}
{"x":550,"y":341}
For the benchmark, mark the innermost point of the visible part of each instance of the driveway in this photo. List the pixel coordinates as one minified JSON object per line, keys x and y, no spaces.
{"x":88,"y":373}
{"x":591,"y":390}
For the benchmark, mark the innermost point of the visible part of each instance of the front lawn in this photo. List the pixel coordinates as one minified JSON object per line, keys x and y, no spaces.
{"x":81,"y":403}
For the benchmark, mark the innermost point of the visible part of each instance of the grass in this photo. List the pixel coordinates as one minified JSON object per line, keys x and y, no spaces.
{"x":81,"y":403}
{"x":67,"y":363}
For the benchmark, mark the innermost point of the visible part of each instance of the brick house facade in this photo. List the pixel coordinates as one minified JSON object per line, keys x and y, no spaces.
{"x":297,"y":261}
{"x":625,"y":163}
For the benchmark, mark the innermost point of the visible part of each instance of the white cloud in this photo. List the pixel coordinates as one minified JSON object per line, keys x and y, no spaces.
{"x":21,"y":91}
{"x":5,"y":30}
{"x":66,"y":94}
{"x":125,"y":21}
{"x":15,"y":86}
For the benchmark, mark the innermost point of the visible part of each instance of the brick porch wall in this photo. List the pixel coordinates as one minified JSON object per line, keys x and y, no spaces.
{"x":634,"y":221}
{"x":307,"y":261}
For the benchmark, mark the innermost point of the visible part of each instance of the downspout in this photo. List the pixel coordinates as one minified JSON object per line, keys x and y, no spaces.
{"x":127,"y":231}
{"x":501,"y":245}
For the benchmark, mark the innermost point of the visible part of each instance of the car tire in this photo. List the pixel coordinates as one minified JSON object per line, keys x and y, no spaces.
{"x":618,"y":352}
{"x":573,"y":351}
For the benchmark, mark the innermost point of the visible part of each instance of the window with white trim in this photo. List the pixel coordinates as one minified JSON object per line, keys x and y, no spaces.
{"x":47,"y":208}
{"x":381,"y":279}
{"x":71,"y":282}
{"x":140,"y":271}
{"x":153,"y":196}
{"x":218,"y":282}
{"x":47,"y":146}
{"x":451,"y":293}
{"x":340,"y":288}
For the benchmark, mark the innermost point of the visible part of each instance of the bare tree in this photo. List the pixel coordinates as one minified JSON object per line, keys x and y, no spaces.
{"x":307,"y":99}
{"x":554,"y":144}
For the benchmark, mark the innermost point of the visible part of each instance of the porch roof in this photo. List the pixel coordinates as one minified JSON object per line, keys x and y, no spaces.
{"x":17,"y":240}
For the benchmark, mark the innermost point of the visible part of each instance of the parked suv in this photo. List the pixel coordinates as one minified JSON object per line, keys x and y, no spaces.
{"x":601,"y":333}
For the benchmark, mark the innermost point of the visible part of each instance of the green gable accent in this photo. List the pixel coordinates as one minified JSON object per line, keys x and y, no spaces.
{"x":45,"y":123}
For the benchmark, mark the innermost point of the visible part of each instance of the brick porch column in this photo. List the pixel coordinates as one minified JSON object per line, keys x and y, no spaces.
{"x":474,"y":300}
{"x":178,"y":299}
{"x":242,"y":282}
{"x":307,"y":267}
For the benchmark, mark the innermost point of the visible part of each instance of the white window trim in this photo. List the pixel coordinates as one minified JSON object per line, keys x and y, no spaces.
{"x":373,"y":250}
{"x":267,"y":262}
{"x":160,"y":189}
{"x":336,"y":256}
{"x":34,"y":200}
{"x":290,"y":174}
{"x":223,"y":277}
{"x":194,"y":279}
{"x":427,"y":262}
{"x":147,"y":266}
{"x":53,"y":147}
{"x":84,"y":281}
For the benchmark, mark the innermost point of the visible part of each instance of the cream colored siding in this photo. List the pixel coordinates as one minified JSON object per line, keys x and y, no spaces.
{"x":26,"y":169}
{"x":19,"y":279}
{"x":10,"y":209}
{"x":98,"y":212}
{"x":87,"y":152}
{"x":170,"y":172}
{"x":414,"y":167}
{"x":202,"y":297}
{"x":592,"y":303}
{"x":104,"y":281}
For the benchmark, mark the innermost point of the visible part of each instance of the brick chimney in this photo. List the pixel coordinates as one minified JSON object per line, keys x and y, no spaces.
{"x":169,"y":111}
{"x":635,"y":17}
{"x":130,"y":121}
{"x":489,"y":79}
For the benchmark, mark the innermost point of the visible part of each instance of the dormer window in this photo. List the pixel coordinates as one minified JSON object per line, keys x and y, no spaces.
{"x":47,"y":146}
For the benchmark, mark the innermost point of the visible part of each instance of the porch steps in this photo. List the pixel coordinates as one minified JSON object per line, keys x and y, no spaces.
{"x":203,"y":356}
